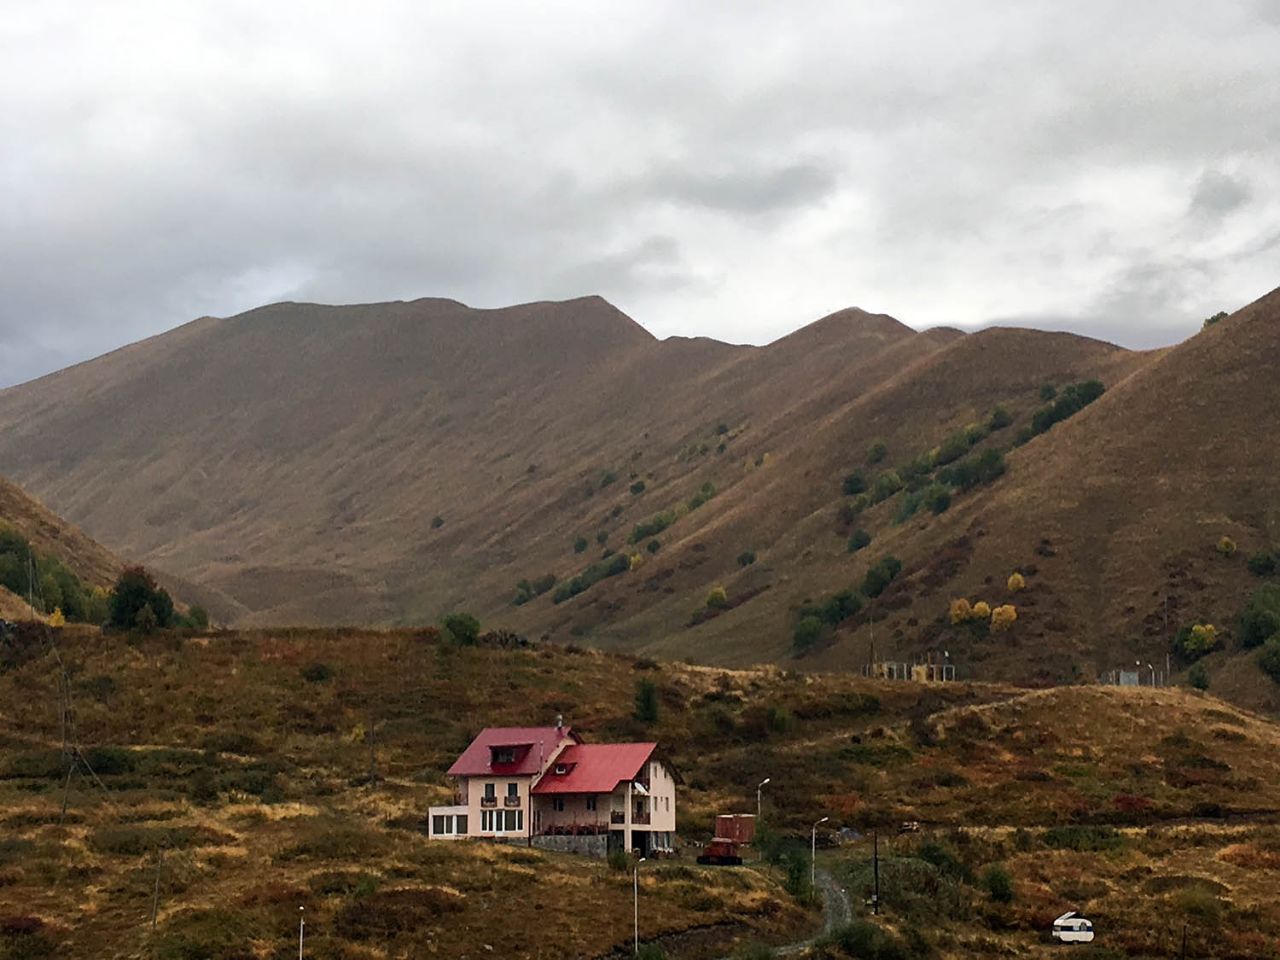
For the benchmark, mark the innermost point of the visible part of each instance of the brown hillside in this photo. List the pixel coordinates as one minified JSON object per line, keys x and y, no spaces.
{"x":51,"y":535}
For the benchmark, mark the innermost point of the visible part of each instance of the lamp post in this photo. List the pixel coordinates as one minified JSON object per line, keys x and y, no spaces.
{"x":1153,"y":673}
{"x":813,"y":854}
{"x":302,"y":927}
{"x":635,"y":894}
{"x":759,"y":788}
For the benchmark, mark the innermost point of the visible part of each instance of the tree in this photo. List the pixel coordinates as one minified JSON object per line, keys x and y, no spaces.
{"x":1195,"y":640}
{"x":1260,"y":619}
{"x":1197,"y":677}
{"x":646,"y":701}
{"x":146,"y":620}
{"x":135,"y":590}
{"x":859,"y":540}
{"x":1004,"y":617}
{"x":718,"y":599}
{"x":746,"y":558}
{"x":999,"y":419}
{"x":982,"y":610}
{"x":637,"y":488}
{"x":579,"y":545}
{"x":1215,"y":319}
{"x":1270,"y":659}
{"x":462,"y":628}
{"x":1016,"y":582}
{"x":937,"y":498}
{"x":887,"y":484}
{"x":57,"y":619}
{"x":437,"y":522}
{"x":998,"y":883}
{"x":961,"y":611}
{"x":1262,"y":564}
{"x":199,"y":617}
{"x":1048,"y":392}
{"x":807,"y":632}
{"x":881,"y":575}
{"x":854,"y":483}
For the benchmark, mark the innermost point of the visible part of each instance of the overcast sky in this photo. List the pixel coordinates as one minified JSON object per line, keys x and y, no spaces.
{"x":721,"y":168}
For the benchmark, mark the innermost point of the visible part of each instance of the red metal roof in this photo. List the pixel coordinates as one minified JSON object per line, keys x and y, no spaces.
{"x":530,"y":743}
{"x":595,"y":767}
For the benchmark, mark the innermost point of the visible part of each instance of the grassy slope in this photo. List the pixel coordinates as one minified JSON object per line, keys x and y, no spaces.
{"x":51,"y":535}
{"x":276,"y":764}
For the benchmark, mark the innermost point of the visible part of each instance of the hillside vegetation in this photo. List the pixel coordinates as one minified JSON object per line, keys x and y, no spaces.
{"x":555,"y":468}
{"x":278,"y":769}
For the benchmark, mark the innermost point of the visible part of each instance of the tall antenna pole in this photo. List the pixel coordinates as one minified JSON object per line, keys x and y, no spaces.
{"x":875,"y":866}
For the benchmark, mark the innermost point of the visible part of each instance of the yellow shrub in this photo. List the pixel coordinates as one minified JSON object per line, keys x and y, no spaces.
{"x":635,"y":560}
{"x":1016,"y":582}
{"x":1003,"y":617}
{"x":961,"y":612}
{"x":56,"y":619}
{"x":717,"y":598}
{"x":1226,"y":547}
{"x":981,"y":610}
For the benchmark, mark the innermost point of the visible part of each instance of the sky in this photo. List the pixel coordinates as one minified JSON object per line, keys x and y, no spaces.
{"x":714,"y":168}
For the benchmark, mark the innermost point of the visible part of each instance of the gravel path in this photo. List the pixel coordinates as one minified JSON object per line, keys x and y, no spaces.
{"x":836,"y":912}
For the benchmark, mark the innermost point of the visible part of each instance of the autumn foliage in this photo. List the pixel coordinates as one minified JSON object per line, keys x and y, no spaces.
{"x":1004,"y":617}
{"x":1016,"y":582}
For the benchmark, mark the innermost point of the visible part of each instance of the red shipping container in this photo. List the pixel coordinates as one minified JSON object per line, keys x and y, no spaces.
{"x":739,"y":827}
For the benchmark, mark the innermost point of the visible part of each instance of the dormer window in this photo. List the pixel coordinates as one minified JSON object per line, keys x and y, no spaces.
{"x":504,"y":754}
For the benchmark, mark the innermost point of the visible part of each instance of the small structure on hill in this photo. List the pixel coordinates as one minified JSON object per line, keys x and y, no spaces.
{"x":545,"y":787}
{"x":1070,"y":928}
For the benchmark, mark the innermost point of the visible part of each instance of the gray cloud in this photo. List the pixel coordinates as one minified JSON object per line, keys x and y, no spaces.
{"x":727,"y":170}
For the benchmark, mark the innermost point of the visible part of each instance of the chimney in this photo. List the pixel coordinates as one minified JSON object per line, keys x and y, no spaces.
{"x":559,"y":721}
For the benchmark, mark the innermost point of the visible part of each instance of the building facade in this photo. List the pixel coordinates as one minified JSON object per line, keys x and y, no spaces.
{"x":527,"y":783}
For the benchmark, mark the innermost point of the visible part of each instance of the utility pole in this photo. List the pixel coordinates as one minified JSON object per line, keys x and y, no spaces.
{"x":875,"y":867}
{"x":155,"y":895}
{"x":373,"y":756}
{"x":302,"y":927}
{"x":1184,"y":942}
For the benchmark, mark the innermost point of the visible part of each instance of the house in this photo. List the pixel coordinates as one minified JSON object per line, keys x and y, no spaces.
{"x":544,"y":786}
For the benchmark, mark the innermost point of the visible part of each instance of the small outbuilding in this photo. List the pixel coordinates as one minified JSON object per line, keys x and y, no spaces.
{"x":1070,"y":928}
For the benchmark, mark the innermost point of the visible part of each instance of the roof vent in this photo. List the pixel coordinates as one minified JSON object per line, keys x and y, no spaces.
{"x":559,"y":721}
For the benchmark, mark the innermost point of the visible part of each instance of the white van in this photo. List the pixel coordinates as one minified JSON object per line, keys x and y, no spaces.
{"x":1069,"y":928}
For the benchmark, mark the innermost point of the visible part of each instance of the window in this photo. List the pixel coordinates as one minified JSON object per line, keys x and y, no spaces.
{"x":513,"y":789}
{"x":501,"y":821}
{"x":591,"y":803}
{"x":557,"y":803}
{"x":460,"y":823}
{"x":490,"y":791}
{"x":504,"y":755}
{"x":437,"y":825}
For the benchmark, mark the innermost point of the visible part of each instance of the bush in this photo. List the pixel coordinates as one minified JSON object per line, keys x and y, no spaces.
{"x":955,"y":446}
{"x":1227,"y":547}
{"x":1262,"y":564}
{"x":650,"y":951}
{"x":859,"y":540}
{"x":579,"y":545}
{"x":998,"y":883}
{"x":462,"y":628}
{"x":619,"y":860}
{"x":880,"y":576}
{"x":1195,"y":640}
{"x":854,"y":483}
{"x":1016,"y":582}
{"x":746,"y":558}
{"x":637,"y":488}
{"x":718,"y":599}
{"x":877,"y":452}
{"x":652,"y":527}
{"x":836,"y":609}
{"x":646,"y":701}
{"x":1074,"y":398}
{"x":865,"y":940}
{"x":437,"y":523}
{"x":609,"y":478}
{"x":974,"y":471}
{"x":999,"y":419}
{"x":705,"y":493}
{"x":653,"y":546}
{"x":937,"y":498}
{"x":1004,"y":617}
{"x":317,"y":672}
{"x":137,"y":603}
{"x":808,"y":632}
{"x":1216,"y":318}
{"x":1048,"y":392}
{"x":603,"y":569}
{"x":887,"y":484}
{"x":1260,"y":619}
{"x":1197,"y":677}
{"x":526,"y":590}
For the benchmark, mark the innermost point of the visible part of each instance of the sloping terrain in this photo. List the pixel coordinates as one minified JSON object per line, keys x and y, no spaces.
{"x":49,"y":534}
{"x":232,"y":788}
{"x":555,"y":469}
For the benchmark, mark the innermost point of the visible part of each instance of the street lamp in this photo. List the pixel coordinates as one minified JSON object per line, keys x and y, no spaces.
{"x":635,"y":893}
{"x":760,"y":787}
{"x":813,"y":854}
{"x":302,"y":927}
{"x":1153,"y":673}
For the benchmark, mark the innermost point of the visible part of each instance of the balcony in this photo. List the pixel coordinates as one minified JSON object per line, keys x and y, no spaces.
{"x":488,"y":802}
{"x":511,"y":801}
{"x":641,"y":818}
{"x":617,"y":816}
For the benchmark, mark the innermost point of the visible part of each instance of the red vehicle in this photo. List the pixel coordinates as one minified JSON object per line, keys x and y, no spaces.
{"x":721,"y":852}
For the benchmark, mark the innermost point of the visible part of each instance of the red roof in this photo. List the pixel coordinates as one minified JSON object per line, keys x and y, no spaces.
{"x":531,"y":744}
{"x":595,"y":767}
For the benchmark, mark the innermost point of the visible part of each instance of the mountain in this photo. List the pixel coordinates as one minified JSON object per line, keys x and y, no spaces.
{"x":391,"y":462}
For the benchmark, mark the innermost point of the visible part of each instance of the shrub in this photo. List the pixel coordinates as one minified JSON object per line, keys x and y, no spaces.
{"x":650,"y":951}
{"x":653,"y":546}
{"x":718,"y":599}
{"x":982,"y":610}
{"x":652,"y":527}
{"x":746,"y":558}
{"x":1216,"y":318}
{"x":1004,"y":617}
{"x":859,"y":540}
{"x":1048,"y":392}
{"x":837,"y":608}
{"x":721,"y":429}
{"x":937,"y":498}
{"x":705,"y":493}
{"x":974,"y":471}
{"x":1270,"y":659}
{"x":462,"y":628}
{"x":646,"y":701}
{"x":579,"y":545}
{"x":961,"y":611}
{"x":1016,"y":582}
{"x":854,"y":483}
{"x":998,"y":883}
{"x":1197,"y":677}
{"x":637,"y":488}
{"x":955,"y":446}
{"x":1260,"y":619}
{"x":865,"y":940}
{"x":808,"y":632}
{"x":881,"y":575}
{"x":877,"y":452}
{"x":1227,"y":547}
{"x":601,"y":570}
{"x":887,"y":484}
{"x":1074,"y":398}
{"x":619,"y":860}
{"x":317,"y":672}
{"x":1195,"y":640}
{"x":999,"y":419}
{"x":608,"y":479}
{"x":526,"y":590}
{"x":1262,"y":564}
{"x":437,"y":522}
